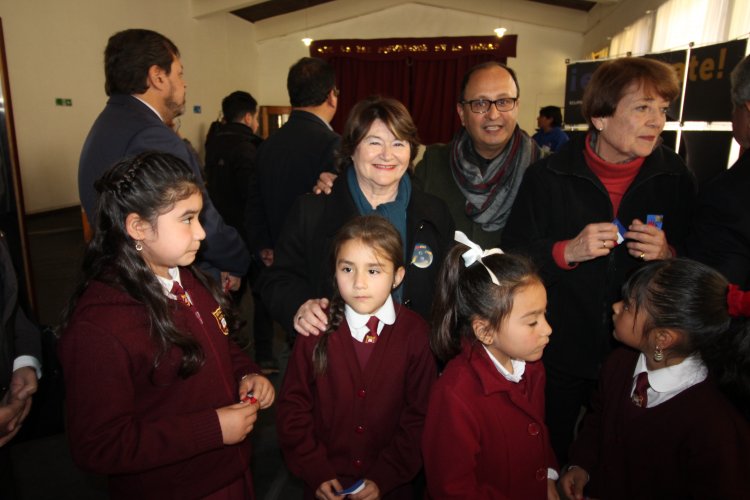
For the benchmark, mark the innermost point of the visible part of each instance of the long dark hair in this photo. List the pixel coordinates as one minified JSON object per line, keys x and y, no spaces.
{"x":148,"y":185}
{"x":375,"y":232}
{"x":467,"y":293}
{"x":691,"y":298}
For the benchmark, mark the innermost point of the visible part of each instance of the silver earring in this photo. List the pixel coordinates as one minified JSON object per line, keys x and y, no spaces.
{"x":658,"y":354}
{"x":138,"y":246}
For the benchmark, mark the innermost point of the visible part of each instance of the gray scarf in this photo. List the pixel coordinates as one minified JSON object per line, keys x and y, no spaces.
{"x":490,"y":188}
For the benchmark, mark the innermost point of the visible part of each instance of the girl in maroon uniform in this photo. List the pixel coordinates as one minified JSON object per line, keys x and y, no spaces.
{"x":353,"y":401}
{"x":158,"y":397}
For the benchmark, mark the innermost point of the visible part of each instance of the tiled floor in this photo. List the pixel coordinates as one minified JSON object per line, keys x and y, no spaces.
{"x":41,"y":465}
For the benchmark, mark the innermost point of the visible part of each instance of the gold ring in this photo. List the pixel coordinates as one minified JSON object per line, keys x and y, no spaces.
{"x":604,"y":244}
{"x":642,"y":256}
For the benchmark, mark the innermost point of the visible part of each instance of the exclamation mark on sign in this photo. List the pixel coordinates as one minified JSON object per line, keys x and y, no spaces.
{"x":722,"y":59}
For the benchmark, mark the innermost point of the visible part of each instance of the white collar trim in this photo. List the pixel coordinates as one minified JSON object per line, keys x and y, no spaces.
{"x":674,"y":378}
{"x":519,"y":367}
{"x":358,"y":322}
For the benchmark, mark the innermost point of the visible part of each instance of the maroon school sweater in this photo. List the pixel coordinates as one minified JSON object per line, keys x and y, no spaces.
{"x":484,"y":435}
{"x":696,"y":445}
{"x":351,"y":423}
{"x":153,"y":433}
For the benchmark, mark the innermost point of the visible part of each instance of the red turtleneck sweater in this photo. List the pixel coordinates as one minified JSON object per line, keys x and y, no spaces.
{"x":616,"y":178}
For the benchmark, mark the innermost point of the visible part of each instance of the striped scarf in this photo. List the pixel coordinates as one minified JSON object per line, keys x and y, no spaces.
{"x":490,"y":188}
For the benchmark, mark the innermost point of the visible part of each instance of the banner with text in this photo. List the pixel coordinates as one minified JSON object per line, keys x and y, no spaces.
{"x":707,"y":91}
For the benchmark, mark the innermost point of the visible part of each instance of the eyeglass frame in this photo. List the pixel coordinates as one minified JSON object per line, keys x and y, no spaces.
{"x":496,"y":102}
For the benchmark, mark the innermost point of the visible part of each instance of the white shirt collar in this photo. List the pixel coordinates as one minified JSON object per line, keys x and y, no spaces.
{"x":358,"y":322}
{"x":666,"y":383}
{"x":174,"y":273}
{"x":519,"y":366}
{"x":149,"y":107}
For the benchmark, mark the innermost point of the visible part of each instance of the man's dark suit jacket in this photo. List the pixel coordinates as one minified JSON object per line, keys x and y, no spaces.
{"x":128,"y":127}
{"x":288,"y":163}
{"x":18,"y":335}
{"x":720,"y":235}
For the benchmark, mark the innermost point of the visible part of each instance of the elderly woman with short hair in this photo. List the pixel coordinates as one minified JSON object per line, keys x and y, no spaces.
{"x":375,"y":162}
{"x":592,"y":213}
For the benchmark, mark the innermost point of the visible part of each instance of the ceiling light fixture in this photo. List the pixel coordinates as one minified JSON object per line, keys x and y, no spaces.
{"x":500,"y":32}
{"x":306,"y":40}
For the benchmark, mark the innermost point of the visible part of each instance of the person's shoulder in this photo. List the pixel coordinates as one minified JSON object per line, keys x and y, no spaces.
{"x":560,"y":133}
{"x":428,"y":201}
{"x":553,"y":163}
{"x":109,"y":308}
{"x":411,"y":321}
{"x":736,"y":178}
{"x":436,"y":155}
{"x":426,"y":206}
{"x":459,"y":376}
{"x":665,"y":158}
{"x":711,"y":412}
{"x":99,"y":293}
{"x":308,"y":208}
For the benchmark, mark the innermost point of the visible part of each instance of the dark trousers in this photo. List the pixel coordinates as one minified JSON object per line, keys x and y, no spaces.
{"x":262,"y":322}
{"x":566,"y":396}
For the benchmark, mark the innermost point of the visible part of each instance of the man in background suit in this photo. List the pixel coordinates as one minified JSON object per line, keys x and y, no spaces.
{"x":720,"y":235}
{"x":290,"y":161}
{"x":144,"y":82}
{"x":20,"y":352}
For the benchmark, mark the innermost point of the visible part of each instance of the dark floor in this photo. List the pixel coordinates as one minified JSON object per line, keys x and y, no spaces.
{"x":40,"y":466}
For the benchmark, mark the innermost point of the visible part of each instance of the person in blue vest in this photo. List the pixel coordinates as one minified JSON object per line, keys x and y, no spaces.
{"x":550,"y":135}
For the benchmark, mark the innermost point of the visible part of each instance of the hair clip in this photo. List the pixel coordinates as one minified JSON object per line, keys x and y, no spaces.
{"x":738,"y":302}
{"x":475,"y":254}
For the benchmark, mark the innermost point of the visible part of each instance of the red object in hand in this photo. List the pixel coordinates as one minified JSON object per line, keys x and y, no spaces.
{"x":249,"y":398}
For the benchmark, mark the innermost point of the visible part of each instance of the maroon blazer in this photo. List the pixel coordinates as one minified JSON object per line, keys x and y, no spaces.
{"x":351,"y":423}
{"x":483,"y":437}
{"x":696,"y":445}
{"x":155,"y":434}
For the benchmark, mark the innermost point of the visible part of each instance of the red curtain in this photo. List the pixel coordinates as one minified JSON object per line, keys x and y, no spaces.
{"x":423,"y":73}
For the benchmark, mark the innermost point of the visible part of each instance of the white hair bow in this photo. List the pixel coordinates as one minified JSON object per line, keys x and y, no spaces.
{"x":476,"y":254}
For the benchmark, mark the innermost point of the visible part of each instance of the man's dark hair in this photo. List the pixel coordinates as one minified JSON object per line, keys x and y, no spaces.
{"x":130,"y":54}
{"x":309,"y":82}
{"x":553,"y":112}
{"x":237,"y":104}
{"x":487,"y":65}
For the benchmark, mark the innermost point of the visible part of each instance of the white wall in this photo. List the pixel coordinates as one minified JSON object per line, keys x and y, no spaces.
{"x":55,"y":49}
{"x":539,"y":63}
{"x":606,"y":20}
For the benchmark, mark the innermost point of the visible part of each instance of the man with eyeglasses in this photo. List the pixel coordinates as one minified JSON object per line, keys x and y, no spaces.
{"x":478,"y":173}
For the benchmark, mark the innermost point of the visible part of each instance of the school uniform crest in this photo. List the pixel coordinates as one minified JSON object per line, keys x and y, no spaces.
{"x":221,"y":320}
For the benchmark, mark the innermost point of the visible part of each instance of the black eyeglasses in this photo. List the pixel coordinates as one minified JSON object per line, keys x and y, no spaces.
{"x":483,"y":105}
